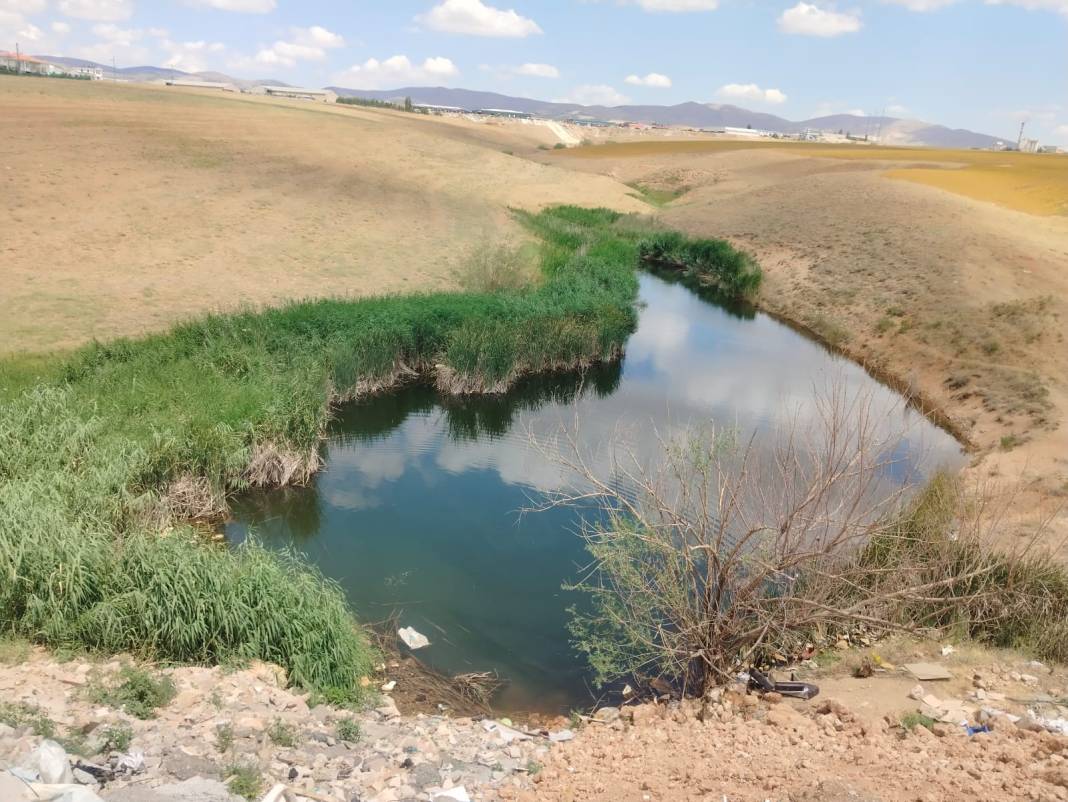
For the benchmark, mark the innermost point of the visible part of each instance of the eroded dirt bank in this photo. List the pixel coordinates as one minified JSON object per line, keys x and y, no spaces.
{"x":962,"y":301}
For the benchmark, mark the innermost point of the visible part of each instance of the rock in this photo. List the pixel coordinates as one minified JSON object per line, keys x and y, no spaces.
{"x":194,"y":790}
{"x":82,"y":777}
{"x":607,"y":715}
{"x":425,"y":775}
{"x":388,"y":708}
{"x":50,"y":762}
{"x":389,"y":686}
{"x":185,"y":767}
{"x":457,"y":794}
{"x":561,"y":736}
{"x":772,"y":698}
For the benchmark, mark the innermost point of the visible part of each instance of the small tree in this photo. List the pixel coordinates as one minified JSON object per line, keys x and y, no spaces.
{"x":727,"y":549}
{"x":408,"y":104}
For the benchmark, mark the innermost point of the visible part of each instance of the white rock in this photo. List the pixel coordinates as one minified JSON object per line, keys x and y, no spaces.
{"x":457,"y":794}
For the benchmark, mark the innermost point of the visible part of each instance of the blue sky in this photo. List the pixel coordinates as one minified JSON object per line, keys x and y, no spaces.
{"x":980,"y":64}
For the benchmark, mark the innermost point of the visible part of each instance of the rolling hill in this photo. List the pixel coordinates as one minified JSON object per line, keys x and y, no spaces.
{"x":893,"y":130}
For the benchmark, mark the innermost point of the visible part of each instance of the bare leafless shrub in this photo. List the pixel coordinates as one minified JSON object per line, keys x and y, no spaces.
{"x":727,"y":549}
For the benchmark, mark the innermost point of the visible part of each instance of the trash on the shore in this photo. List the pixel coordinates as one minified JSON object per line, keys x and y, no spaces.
{"x":561,"y":736}
{"x":947,"y":650}
{"x":389,"y":686}
{"x":507,"y":734}
{"x":797,"y":690}
{"x":413,"y":639}
{"x":928,"y":672}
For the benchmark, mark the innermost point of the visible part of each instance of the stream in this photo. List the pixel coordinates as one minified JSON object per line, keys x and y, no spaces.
{"x":419,"y":511}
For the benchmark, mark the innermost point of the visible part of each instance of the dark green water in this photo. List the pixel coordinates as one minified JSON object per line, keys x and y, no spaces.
{"x":418,"y":509}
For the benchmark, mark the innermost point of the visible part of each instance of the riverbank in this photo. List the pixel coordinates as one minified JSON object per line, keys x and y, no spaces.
{"x":107,"y":454}
{"x":955,"y":301}
{"x":228,"y":735}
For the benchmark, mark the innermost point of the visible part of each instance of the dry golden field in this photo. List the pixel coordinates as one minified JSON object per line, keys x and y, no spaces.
{"x":1028,"y":182}
{"x":127,"y":207}
{"x":961,"y":300}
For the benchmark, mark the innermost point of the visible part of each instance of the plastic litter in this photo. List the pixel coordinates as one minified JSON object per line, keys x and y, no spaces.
{"x":797,"y":690}
{"x":413,"y":639}
{"x":507,"y":734}
{"x":561,"y":736}
{"x":977,"y":730}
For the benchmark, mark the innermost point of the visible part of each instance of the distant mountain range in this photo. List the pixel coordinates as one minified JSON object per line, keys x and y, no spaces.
{"x":892,"y":130}
{"x":148,"y":73}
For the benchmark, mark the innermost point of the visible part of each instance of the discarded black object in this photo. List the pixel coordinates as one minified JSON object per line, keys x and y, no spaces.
{"x":765,"y":684}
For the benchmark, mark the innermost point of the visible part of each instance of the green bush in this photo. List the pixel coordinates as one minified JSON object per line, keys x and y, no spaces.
{"x":705,"y":262}
{"x":138,"y":693}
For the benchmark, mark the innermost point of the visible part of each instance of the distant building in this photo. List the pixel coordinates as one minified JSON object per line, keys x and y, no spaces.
{"x":592,"y":123}
{"x":509,"y":113}
{"x":296,"y":93}
{"x":219,"y":85}
{"x":92,"y":73}
{"x":430,"y":108}
{"x":730,"y":130}
{"x":20,"y":62}
{"x":1029,"y":146}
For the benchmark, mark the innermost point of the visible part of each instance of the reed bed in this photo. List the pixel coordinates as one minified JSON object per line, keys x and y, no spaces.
{"x":105,"y":454}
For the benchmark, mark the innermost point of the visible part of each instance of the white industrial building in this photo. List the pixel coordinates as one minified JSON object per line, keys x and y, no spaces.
{"x":296,"y":93}
{"x":219,"y":85}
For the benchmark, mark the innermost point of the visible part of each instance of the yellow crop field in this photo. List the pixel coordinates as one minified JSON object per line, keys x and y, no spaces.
{"x":1027,"y":182}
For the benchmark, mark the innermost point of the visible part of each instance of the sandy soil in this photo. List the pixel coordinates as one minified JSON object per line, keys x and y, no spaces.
{"x":753,"y":752}
{"x":126,"y":208}
{"x":960,"y":301}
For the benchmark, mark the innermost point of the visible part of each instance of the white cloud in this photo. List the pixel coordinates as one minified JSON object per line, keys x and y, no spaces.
{"x":478,"y":19}
{"x":922,"y":5}
{"x":304,"y":44}
{"x":595,"y":95}
{"x":537,"y":70}
{"x":61,"y":28}
{"x":240,"y":6}
{"x":119,"y":37}
{"x":395,"y":72}
{"x":190,"y":56}
{"x":1034,"y":5}
{"x":752,"y":93}
{"x":678,"y":5}
{"x":807,"y":19}
{"x":21,"y":7}
{"x":317,"y":36}
{"x":653,"y":79}
{"x":98,"y":10}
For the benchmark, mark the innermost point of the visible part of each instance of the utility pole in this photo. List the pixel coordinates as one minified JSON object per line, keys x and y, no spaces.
{"x":18,"y":60}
